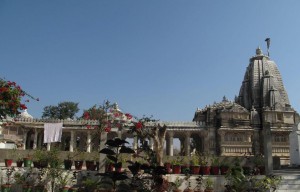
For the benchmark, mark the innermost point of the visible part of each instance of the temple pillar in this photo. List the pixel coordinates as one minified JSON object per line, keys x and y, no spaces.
{"x":35,"y":139}
{"x":88,"y":142}
{"x":167,"y":145}
{"x":187,"y":144}
{"x":205,"y":138}
{"x":256,"y":143}
{"x":268,"y":149}
{"x":48,"y":146}
{"x":135,"y":142}
{"x":24,"y":139}
{"x":182,"y":149}
{"x":40,"y":140}
{"x":170,"y":147}
{"x":71,"y":148}
{"x":119,"y":134}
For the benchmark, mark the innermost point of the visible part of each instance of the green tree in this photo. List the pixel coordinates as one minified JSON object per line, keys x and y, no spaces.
{"x":63,"y":110}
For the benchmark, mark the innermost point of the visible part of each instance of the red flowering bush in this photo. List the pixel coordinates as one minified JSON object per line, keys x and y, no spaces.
{"x":108,"y":115}
{"x":11,"y":96}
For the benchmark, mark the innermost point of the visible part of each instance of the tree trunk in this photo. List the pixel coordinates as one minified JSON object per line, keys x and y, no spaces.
{"x":159,"y":134}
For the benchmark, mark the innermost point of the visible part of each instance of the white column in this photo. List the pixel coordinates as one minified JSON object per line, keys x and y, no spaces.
{"x":41,"y":140}
{"x":48,"y":146}
{"x":171,"y":146}
{"x":88,"y":141}
{"x":71,"y":148}
{"x":135,"y":142}
{"x":187,"y":144}
{"x":35,"y":139}
{"x":120,"y":134}
{"x":24,"y":139}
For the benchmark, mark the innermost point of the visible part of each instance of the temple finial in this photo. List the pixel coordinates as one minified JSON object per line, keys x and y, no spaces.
{"x":268,"y":40}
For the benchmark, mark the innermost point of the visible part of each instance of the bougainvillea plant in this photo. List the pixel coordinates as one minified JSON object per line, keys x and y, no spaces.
{"x":110,"y":116}
{"x":12,"y":99}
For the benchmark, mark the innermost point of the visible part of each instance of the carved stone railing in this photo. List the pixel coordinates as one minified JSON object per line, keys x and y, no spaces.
{"x":95,"y":122}
{"x":235,"y":151}
{"x":64,"y":121}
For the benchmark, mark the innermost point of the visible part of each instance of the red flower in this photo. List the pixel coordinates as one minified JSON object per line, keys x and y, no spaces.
{"x":23,"y":107}
{"x":117,"y":114}
{"x":88,"y":126}
{"x":86,"y":115}
{"x":107,"y":129}
{"x":139,"y":125}
{"x":128,"y":116}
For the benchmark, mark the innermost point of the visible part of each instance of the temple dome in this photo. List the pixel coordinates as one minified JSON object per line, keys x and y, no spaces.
{"x":262,"y":85}
{"x":25,"y":115}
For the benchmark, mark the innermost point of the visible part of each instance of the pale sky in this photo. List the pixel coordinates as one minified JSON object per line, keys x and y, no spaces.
{"x":161,"y":57}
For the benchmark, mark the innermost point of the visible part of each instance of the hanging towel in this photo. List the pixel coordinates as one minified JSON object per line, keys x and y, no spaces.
{"x":52,"y":132}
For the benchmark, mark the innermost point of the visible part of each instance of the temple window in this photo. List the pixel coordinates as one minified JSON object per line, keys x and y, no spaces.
{"x":280,"y":138}
{"x":234,"y":137}
{"x":279,"y":116}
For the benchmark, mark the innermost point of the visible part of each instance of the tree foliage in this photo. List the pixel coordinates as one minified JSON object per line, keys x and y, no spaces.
{"x":63,"y":110}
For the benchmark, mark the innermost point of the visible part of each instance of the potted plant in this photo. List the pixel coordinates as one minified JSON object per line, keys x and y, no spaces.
{"x":195,"y":167}
{"x":199,"y":183}
{"x":40,"y":159}
{"x":68,"y":162}
{"x":168,"y":165}
{"x":185,"y":167}
{"x":114,"y":148}
{"x":8,"y":161}
{"x":224,"y":166}
{"x":64,"y":181}
{"x":6,"y":187}
{"x":18,"y":158}
{"x":109,"y":165}
{"x":176,"y":165}
{"x":208,"y":184}
{"x":215,"y":165}
{"x":27,"y":161}
{"x":90,"y":165}
{"x":79,"y":158}
{"x":25,"y":179}
{"x":204,"y":167}
{"x":121,"y":161}
{"x":177,"y":183}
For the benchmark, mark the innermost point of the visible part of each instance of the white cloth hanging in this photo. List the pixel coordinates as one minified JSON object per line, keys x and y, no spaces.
{"x":52,"y":132}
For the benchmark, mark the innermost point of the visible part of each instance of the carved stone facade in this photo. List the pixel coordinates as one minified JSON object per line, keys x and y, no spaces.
{"x":262,"y":104}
